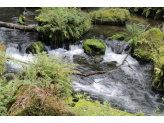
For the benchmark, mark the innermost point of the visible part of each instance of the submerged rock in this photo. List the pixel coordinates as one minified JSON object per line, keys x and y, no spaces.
{"x":79,"y":59}
{"x":96,"y":59}
{"x":32,"y":48}
{"x":33,"y":101}
{"x":94,"y":47}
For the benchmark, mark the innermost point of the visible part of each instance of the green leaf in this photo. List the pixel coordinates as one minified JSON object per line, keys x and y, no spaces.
{"x":147,"y":13}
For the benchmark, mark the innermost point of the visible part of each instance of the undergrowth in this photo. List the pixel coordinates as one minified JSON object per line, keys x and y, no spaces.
{"x":47,"y":72}
{"x":58,"y":24}
{"x":133,"y":33}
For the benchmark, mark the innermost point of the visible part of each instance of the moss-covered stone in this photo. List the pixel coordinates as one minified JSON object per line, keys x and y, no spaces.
{"x":94,"y":47}
{"x":96,"y":59}
{"x":2,"y":60}
{"x":33,"y":101}
{"x":79,"y":59}
{"x":118,"y":37}
{"x":150,"y":47}
{"x":110,"y":16}
{"x":154,"y":38}
{"x":32,"y":48}
{"x":84,"y":107}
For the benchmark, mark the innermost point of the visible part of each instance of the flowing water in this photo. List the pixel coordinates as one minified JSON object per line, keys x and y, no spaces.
{"x":126,"y":88}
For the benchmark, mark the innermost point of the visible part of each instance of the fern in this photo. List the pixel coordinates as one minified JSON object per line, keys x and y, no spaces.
{"x":61,"y":23}
{"x":133,"y":32}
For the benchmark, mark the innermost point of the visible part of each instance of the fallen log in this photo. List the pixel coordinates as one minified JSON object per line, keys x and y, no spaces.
{"x":16,"y":26}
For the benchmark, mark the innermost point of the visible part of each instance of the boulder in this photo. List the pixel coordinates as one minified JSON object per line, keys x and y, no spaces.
{"x":2,"y":58}
{"x":79,"y":59}
{"x":32,"y":47}
{"x":151,"y":39}
{"x":111,"y":16}
{"x":150,"y":47}
{"x":33,"y":101}
{"x":96,"y":59}
{"x":118,"y":37}
{"x":94,"y":47}
{"x":118,"y":47}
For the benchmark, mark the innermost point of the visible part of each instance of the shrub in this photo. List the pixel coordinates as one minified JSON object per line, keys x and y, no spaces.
{"x":47,"y":72}
{"x":133,"y":32}
{"x":58,"y":24}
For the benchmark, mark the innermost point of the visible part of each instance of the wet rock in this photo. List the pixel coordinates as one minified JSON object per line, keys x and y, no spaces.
{"x":79,"y":59}
{"x":94,"y":47}
{"x":109,"y":65}
{"x":112,"y":64}
{"x":118,"y":37}
{"x":32,"y":48}
{"x":96,"y":59}
{"x":119,"y":46}
{"x":95,"y":68}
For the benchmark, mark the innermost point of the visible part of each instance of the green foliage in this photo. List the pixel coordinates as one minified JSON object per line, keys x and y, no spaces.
{"x":58,"y":24}
{"x":22,"y":18}
{"x":140,"y":113}
{"x":2,"y":62}
{"x":154,"y":12}
{"x":47,"y":72}
{"x":6,"y":96}
{"x":133,"y":9}
{"x":157,"y":113}
{"x":137,"y":53}
{"x":89,"y":108}
{"x":133,"y":32}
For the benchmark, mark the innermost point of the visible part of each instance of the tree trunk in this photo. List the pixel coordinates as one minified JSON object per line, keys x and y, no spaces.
{"x":16,"y":26}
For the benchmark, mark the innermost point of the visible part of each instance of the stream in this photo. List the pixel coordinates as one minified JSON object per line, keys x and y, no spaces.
{"x":124,"y":88}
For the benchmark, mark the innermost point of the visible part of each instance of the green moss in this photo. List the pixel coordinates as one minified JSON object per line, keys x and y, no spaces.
{"x":110,"y":16}
{"x":22,"y":18}
{"x":32,"y":48}
{"x":2,"y":58}
{"x":151,"y":48}
{"x":117,"y":36}
{"x":88,"y":108}
{"x":96,"y":59}
{"x":94,"y":47}
{"x":32,"y":101}
{"x":154,"y":38}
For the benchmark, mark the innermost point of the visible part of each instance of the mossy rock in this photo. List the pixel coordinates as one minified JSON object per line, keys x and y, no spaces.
{"x":154,"y":37}
{"x":32,"y":48}
{"x":150,"y":47}
{"x":94,"y":47}
{"x":2,"y":58}
{"x":84,"y":107}
{"x":96,"y":59}
{"x":110,"y":16}
{"x":79,"y":59}
{"x":33,"y":101}
{"x":118,"y":37}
